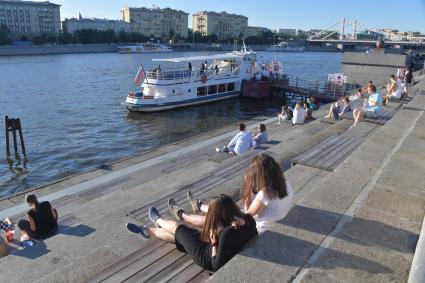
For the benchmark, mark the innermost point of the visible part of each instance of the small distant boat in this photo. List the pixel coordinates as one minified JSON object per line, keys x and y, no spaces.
{"x":285,"y":47}
{"x":148,"y":47}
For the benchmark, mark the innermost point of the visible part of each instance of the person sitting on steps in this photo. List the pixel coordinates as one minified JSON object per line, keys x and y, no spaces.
{"x":308,"y":113}
{"x":266,"y":195}
{"x":241,"y":143}
{"x":42,"y":219}
{"x":372,"y":107}
{"x":260,"y":136}
{"x":299,"y":115}
{"x":335,"y":112}
{"x":394,"y":90}
{"x":286,"y":114}
{"x":224,"y":233}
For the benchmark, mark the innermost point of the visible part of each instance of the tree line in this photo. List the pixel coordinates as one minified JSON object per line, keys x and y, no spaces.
{"x":90,"y":36}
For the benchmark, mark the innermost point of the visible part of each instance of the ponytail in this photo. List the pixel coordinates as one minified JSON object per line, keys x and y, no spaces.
{"x":31,"y":199}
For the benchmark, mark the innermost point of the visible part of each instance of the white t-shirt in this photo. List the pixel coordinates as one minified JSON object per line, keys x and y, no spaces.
{"x":299,"y":116}
{"x":275,"y":209}
{"x":242,"y":142}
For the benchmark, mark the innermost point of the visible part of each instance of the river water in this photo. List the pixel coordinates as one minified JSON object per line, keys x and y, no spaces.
{"x":73,"y":121}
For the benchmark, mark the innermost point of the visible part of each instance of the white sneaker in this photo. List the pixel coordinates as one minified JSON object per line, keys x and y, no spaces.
{"x":217,"y":149}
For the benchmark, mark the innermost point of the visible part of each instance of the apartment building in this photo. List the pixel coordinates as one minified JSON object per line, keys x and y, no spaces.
{"x":29,"y":18}
{"x":224,"y":25}
{"x":75,"y":24}
{"x":156,"y":21}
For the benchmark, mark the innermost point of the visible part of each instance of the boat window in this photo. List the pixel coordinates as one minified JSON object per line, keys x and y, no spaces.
{"x":231,"y":87}
{"x":202,"y":91}
{"x":212,"y":89}
{"x":221,"y":88}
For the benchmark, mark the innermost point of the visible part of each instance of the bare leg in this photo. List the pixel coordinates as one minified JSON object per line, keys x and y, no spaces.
{"x":168,"y":225}
{"x":161,"y":233}
{"x":197,"y":220}
{"x":358,"y":117}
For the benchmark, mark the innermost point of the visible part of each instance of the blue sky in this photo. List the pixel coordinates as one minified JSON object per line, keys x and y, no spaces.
{"x":407,"y":15}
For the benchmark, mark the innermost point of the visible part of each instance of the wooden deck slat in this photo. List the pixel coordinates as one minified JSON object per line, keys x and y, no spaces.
{"x":155,"y":267}
{"x":172,"y":270}
{"x":184,"y":161}
{"x":336,"y":149}
{"x":142,"y":263}
{"x":187,"y":274}
{"x":333,"y":163}
{"x":315,"y":150}
{"x":126,"y":261}
{"x":328,"y":154}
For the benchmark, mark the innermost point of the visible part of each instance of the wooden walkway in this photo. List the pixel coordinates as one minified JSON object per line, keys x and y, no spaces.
{"x":328,"y":154}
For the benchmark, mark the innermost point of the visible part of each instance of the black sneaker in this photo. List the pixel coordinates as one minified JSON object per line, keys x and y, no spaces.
{"x":175,"y":210}
{"x":141,"y":230}
{"x":154,"y":216}
{"x":195,"y":203}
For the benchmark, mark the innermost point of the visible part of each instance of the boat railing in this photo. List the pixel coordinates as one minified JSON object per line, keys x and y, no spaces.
{"x":179,"y":74}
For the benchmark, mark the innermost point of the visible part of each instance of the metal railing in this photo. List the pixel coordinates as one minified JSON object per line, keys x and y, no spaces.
{"x":321,"y":87}
{"x":180,"y":73}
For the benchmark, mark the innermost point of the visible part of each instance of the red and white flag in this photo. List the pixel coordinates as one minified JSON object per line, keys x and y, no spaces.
{"x":140,"y":77}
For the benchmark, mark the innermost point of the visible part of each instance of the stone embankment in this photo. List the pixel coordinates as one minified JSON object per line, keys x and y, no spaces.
{"x":356,"y":217}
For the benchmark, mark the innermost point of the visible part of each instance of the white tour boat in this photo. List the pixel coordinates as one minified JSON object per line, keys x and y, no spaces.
{"x":285,"y":47}
{"x":181,"y":82}
{"x":148,"y":47}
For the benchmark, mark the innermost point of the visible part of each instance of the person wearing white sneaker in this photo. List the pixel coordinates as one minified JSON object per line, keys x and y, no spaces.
{"x":224,"y":234}
{"x":266,"y":195}
{"x":241,"y":143}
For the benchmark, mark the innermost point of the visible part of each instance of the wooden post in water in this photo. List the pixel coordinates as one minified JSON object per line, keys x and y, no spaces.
{"x":6,"y":135}
{"x":13,"y":125}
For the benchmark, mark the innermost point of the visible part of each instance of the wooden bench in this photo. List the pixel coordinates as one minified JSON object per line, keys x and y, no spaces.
{"x":328,"y":154}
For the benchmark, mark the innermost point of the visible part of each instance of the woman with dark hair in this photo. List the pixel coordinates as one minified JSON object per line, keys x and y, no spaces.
{"x":42,"y":219}
{"x":226,"y":230}
{"x":266,"y":195}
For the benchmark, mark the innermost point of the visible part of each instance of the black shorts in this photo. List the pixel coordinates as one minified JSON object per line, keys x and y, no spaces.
{"x":189,"y":241}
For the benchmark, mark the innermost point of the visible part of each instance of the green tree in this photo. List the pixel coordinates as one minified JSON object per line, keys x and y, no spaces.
{"x":4,"y":35}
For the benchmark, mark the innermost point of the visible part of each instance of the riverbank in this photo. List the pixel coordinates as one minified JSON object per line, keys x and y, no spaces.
{"x":378,"y":188}
{"x":112,"y":48}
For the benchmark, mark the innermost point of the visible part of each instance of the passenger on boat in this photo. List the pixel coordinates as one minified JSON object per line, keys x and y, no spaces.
{"x":299,"y":115}
{"x":202,"y":69}
{"x":216,"y":69}
{"x":260,"y":136}
{"x":42,"y":219}
{"x":241,"y":143}
{"x":286,"y":114}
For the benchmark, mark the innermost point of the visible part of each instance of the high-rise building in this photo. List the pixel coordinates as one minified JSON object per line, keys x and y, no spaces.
{"x":75,"y":24}
{"x":30,"y":18}
{"x":224,"y":25}
{"x":156,"y":21}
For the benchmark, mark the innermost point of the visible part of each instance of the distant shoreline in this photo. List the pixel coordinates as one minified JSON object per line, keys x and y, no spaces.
{"x":12,"y":50}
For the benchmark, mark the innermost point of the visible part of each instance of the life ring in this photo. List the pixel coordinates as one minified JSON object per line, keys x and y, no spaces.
{"x":204,"y":78}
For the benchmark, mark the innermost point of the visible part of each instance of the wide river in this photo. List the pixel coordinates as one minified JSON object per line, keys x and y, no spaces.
{"x":73,"y":120}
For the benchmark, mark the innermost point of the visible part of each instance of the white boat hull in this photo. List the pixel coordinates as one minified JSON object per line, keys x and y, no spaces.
{"x":179,"y":104}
